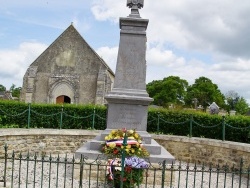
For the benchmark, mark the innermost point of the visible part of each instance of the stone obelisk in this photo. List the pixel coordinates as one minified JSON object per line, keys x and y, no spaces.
{"x":128,"y":100}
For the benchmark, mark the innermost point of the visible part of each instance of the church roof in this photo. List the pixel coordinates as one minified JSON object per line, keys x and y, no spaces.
{"x":71,"y":29}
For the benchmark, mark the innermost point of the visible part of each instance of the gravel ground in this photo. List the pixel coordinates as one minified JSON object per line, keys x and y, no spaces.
{"x":55,"y":175}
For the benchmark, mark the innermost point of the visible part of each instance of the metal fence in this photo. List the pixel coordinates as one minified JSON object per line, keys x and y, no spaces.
{"x":193,"y":124}
{"x":35,"y":170}
{"x":91,"y":120}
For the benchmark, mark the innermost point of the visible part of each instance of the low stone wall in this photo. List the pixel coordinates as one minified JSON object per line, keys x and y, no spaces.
{"x":44,"y":141}
{"x":186,"y":149}
{"x":202,"y":150}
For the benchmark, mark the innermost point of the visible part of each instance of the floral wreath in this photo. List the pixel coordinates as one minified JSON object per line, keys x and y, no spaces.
{"x":134,"y":163}
{"x":114,"y":144}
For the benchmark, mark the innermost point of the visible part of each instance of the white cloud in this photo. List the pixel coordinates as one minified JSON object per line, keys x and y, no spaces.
{"x":187,"y":38}
{"x":218,"y":30}
{"x":208,"y":25}
{"x":14,"y":63}
{"x":81,"y":25}
{"x":164,"y":57}
{"x":109,"y":55}
{"x":237,"y":65}
{"x":109,"y":10}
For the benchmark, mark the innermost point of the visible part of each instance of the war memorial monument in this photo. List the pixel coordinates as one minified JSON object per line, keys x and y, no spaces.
{"x":128,"y":100}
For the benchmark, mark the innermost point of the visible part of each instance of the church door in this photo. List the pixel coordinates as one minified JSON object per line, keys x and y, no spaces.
{"x":63,"y":99}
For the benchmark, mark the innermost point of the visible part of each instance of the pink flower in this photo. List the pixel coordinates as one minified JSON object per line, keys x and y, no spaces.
{"x":124,"y":130}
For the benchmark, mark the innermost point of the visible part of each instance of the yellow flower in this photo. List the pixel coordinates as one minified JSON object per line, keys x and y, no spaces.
{"x":136,"y":149}
{"x":136,"y":135}
{"x":112,"y":145}
{"x":128,"y":146}
{"x":130,"y":131}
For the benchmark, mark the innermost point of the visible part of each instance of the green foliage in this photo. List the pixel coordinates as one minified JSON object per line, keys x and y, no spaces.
{"x":235,"y":132}
{"x":232,"y":98}
{"x":2,"y":88}
{"x":235,"y":102}
{"x":170,"y":90}
{"x":132,"y":177}
{"x":177,"y":122}
{"x":237,"y":128}
{"x":206,"y":92}
{"x":241,"y":106}
{"x":15,"y":91}
{"x":52,"y":116}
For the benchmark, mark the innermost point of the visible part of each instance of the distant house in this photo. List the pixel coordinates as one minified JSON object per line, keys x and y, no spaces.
{"x":68,"y":71}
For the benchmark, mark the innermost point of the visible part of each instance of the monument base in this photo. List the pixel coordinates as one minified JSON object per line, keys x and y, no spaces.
{"x":127,"y":108}
{"x":92,"y":149}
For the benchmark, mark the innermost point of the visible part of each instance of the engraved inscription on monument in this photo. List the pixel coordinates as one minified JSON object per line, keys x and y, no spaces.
{"x":129,"y":116}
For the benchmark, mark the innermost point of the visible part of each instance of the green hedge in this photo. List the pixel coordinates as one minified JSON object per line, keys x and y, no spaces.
{"x":237,"y":128}
{"x":15,"y":114}
{"x":162,"y":121}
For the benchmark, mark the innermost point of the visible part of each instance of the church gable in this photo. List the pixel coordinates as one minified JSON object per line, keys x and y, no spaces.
{"x":71,"y":60}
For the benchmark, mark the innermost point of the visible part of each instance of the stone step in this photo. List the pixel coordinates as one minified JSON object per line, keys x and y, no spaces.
{"x":92,"y":149}
{"x":154,"y":148}
{"x":153,"y":158}
{"x":98,"y":141}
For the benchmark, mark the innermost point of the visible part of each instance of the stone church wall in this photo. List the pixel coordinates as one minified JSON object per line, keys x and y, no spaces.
{"x":70,"y":67}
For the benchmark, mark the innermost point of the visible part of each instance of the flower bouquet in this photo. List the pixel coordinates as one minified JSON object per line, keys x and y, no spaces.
{"x":114,"y":144}
{"x":134,"y":164}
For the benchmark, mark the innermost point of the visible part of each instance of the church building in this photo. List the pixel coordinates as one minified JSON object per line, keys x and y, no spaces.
{"x":68,"y":71}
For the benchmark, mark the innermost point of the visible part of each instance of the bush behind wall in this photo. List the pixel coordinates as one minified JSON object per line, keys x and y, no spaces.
{"x":176,"y":122}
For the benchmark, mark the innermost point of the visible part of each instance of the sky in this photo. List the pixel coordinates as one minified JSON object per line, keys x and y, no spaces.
{"x":185,"y":38}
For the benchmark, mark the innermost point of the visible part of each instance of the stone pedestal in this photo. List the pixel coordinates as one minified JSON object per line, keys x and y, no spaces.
{"x":92,"y":149}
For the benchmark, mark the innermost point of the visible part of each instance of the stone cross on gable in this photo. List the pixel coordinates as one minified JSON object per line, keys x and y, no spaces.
{"x":135,"y":5}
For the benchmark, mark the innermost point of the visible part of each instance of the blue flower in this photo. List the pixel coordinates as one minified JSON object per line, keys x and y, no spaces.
{"x":136,"y":162}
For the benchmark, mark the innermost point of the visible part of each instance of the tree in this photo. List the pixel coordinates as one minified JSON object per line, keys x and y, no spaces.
{"x":232,"y":98}
{"x":205,"y":92}
{"x":2,"y":88}
{"x":15,"y":90}
{"x":170,"y":90}
{"x":241,"y":106}
{"x":235,"y":102}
